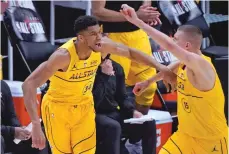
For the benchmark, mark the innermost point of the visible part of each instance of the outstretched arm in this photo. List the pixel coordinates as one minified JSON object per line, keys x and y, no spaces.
{"x":159,"y":76}
{"x":140,"y":87}
{"x":138,"y":56}
{"x":108,"y":46}
{"x":167,"y":43}
{"x":191,"y":60}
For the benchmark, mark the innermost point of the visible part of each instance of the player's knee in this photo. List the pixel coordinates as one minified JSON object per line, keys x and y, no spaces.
{"x":144,"y":109}
{"x":115,"y":128}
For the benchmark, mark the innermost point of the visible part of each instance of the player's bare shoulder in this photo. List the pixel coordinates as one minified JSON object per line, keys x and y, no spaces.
{"x":62,"y":54}
{"x":203,"y":77}
{"x":60,"y":58}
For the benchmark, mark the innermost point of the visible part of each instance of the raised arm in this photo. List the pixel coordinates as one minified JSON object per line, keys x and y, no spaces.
{"x":194,"y":62}
{"x":191,"y":60}
{"x":188,"y":58}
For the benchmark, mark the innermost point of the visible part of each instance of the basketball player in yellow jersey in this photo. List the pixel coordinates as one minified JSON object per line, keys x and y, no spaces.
{"x":120,"y":30}
{"x":202,"y":125}
{"x":67,"y":107}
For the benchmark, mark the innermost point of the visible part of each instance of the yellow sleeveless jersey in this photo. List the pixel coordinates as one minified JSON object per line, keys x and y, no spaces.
{"x":200,"y":114}
{"x":75,"y":85}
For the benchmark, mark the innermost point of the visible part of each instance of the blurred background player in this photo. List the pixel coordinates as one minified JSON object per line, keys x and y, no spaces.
{"x":120,"y":30}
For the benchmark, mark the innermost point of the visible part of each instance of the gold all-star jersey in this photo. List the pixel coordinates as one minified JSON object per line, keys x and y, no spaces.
{"x":75,"y":85}
{"x":200,"y":114}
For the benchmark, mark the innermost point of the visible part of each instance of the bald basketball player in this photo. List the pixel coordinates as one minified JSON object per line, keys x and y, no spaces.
{"x":202,"y":125}
{"x":68,"y":107}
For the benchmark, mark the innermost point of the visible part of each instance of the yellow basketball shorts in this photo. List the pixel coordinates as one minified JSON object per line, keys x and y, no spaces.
{"x":70,"y":129}
{"x":180,"y":143}
{"x":134,"y":71}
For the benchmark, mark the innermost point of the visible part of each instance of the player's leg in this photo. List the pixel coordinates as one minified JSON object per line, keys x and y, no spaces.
{"x":178,"y":143}
{"x":145,"y":100}
{"x":57,"y":132}
{"x":139,"y":72}
{"x":108,"y":134}
{"x":83,"y":132}
{"x":146,"y":132}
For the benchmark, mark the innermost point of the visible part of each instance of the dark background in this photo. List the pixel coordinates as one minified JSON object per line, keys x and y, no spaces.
{"x":64,"y":20}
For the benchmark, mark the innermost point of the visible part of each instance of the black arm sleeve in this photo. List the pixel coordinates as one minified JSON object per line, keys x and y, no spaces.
{"x":7,"y":131}
{"x":99,"y":87}
{"x":8,"y":116}
{"x":9,"y":106}
{"x":126,"y":106}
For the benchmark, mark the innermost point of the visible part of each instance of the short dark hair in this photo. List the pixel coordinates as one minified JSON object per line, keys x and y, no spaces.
{"x":83,"y":22}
